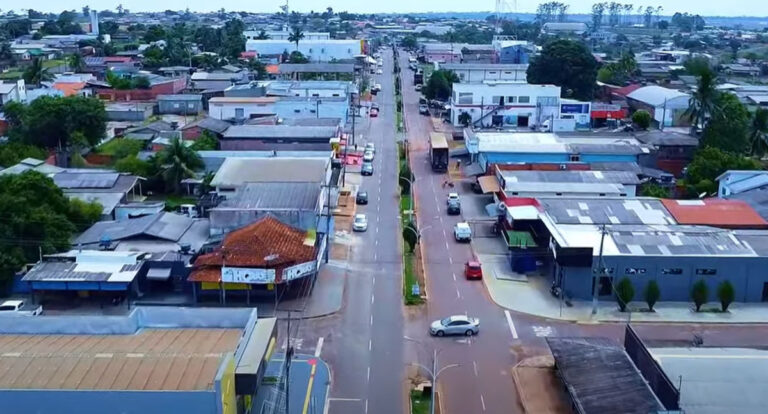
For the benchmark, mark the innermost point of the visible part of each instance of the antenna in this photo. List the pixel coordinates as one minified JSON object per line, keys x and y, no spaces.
{"x":503,"y":7}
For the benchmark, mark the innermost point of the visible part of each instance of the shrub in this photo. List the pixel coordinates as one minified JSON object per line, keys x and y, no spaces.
{"x":652,"y":294}
{"x":411,"y":236}
{"x":725,"y":294}
{"x":699,"y":294}
{"x":642,"y":119}
{"x":625,"y":292}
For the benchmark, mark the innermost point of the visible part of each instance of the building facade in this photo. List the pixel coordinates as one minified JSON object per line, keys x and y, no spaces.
{"x":505,"y":104}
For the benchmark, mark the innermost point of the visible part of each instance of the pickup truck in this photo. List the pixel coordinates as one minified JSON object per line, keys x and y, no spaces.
{"x":19,"y":307}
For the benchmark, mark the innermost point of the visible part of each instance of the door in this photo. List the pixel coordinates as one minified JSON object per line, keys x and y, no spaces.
{"x":522,"y":121}
{"x":457,"y":327}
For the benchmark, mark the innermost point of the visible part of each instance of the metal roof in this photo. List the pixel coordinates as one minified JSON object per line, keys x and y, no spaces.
{"x":67,"y":180}
{"x":123,"y":184}
{"x":537,"y":142}
{"x":483,"y":66}
{"x":280,"y":132}
{"x":606,"y":211}
{"x":211,"y":124}
{"x":715,"y":212}
{"x":237,"y":171}
{"x":165,"y":226}
{"x":573,"y":176}
{"x":600,"y":377}
{"x":180,"y":97}
{"x":566,"y":187}
{"x":316,"y":67}
{"x":108,"y":201}
{"x":656,"y":95}
{"x":274,"y":196}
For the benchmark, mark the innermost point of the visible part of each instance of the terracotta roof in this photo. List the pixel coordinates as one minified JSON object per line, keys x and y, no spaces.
{"x":715,"y":212}
{"x":266,"y":243}
{"x":627,"y":90}
{"x":69,"y":88}
{"x":273,"y":69}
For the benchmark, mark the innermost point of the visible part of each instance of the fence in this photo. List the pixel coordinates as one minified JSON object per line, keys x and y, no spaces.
{"x":651,"y":370}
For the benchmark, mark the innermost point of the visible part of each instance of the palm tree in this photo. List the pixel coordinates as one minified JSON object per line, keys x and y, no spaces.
{"x":703,"y":102}
{"x":178,"y":162}
{"x":296,"y":35}
{"x":263,"y":35}
{"x":36,"y":73}
{"x":758,"y":132}
{"x":75,"y":62}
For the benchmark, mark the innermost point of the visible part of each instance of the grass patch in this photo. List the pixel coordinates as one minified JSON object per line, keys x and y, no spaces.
{"x":419,"y":402}
{"x":121,"y":147}
{"x":173,"y":201}
{"x":410,"y":279}
{"x":12,"y":75}
{"x":53,"y":63}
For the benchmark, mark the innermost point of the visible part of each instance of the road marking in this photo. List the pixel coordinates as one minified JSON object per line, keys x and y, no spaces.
{"x":371,"y":320}
{"x":369,"y":373}
{"x":509,"y":322}
{"x":377,"y":229}
{"x":319,"y":346}
{"x":374,"y":281}
{"x":374,"y":256}
{"x":458,"y":294}
{"x":482,"y":401}
{"x":454,"y":276}
{"x":345,"y":399}
{"x":309,"y":388}
{"x":370,"y":344}
{"x":474,"y":365}
{"x":542,"y":331}
{"x":372,"y":296}
{"x":438,"y":209}
{"x":366,"y":405}
{"x":376,"y":242}
{"x":446,"y":246}
{"x":450,"y":259}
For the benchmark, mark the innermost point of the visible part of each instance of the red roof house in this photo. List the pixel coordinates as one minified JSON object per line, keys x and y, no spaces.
{"x":715,"y":212}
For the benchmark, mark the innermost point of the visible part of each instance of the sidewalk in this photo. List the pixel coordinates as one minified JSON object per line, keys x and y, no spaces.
{"x":532,"y":297}
{"x":309,"y":379}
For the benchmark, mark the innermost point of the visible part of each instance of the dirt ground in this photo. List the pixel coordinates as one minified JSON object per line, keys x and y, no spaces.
{"x":541,"y":392}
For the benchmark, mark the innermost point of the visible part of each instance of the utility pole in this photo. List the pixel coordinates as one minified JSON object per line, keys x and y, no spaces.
{"x":599,"y":271}
{"x":434,"y":382}
{"x":288,"y":356}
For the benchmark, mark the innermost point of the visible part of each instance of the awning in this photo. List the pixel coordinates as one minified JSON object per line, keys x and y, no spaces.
{"x":159,"y":273}
{"x":471,"y":170}
{"x":489,"y":184}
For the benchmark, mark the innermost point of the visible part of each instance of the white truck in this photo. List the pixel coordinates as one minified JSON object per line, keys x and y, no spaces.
{"x":19,"y":307}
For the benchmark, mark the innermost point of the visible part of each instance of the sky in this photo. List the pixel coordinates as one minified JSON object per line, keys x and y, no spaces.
{"x":702,"y":7}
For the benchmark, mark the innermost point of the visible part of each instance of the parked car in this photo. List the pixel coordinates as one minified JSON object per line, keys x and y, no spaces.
{"x":368,"y":156}
{"x":374,"y":112}
{"x":473,"y":270}
{"x":452,"y":197}
{"x":19,"y":307}
{"x":361,"y":223}
{"x":455,"y":325}
{"x":454,"y":208}
{"x":379,"y":72}
{"x":462,"y":232}
{"x":370,"y":147}
{"x":361,"y":198}
{"x":367,"y":169}
{"x":423,"y":109}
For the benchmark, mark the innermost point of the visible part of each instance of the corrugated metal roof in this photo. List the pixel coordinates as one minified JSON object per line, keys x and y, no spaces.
{"x":274,"y":196}
{"x":237,"y":171}
{"x":656,"y":95}
{"x":316,"y":67}
{"x":715,"y":212}
{"x":606,"y":211}
{"x":68,"y":180}
{"x":190,"y":97}
{"x":280,"y":132}
{"x":164,"y":226}
{"x":529,"y":176}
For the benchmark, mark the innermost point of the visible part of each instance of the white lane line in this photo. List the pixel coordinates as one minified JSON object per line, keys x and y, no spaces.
{"x":366,"y":406}
{"x":372,"y":297}
{"x":446,"y":246}
{"x":374,"y":256}
{"x":450,"y":259}
{"x":376,"y":242}
{"x":370,"y":344}
{"x":374,"y":281}
{"x":372,"y":323}
{"x":454,"y":276}
{"x":438,"y":209}
{"x":482,"y":401}
{"x":319,"y":346}
{"x":474,"y":365}
{"x":377,"y":229}
{"x":369,"y":373}
{"x":511,"y":324}
{"x":458,"y":294}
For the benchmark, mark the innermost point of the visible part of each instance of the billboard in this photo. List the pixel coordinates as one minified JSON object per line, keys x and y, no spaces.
{"x":247,"y":275}
{"x":299,"y":270}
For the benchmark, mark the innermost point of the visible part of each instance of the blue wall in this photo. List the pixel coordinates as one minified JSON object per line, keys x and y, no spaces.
{"x":513,"y":54}
{"x":747,"y":274}
{"x":107,"y":402}
{"x":510,"y":157}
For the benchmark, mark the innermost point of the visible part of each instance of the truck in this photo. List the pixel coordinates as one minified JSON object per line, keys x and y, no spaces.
{"x":438,"y":152}
{"x":19,"y":307}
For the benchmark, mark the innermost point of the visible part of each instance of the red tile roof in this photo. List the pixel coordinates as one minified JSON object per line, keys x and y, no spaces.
{"x":715,"y":212}
{"x":627,"y":90}
{"x":266,"y":243}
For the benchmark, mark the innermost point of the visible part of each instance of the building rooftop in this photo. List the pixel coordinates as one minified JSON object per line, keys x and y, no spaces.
{"x":535,"y":142}
{"x":180,"y":97}
{"x":656,"y":95}
{"x":163,"y":226}
{"x":316,"y":68}
{"x":91,"y":266}
{"x":665,"y":138}
{"x":280,"y":132}
{"x":715,"y":212}
{"x":590,"y":176}
{"x":245,"y":99}
{"x":236,"y":171}
{"x":149,"y":360}
{"x":600,"y":377}
{"x":274,"y":196}
{"x":211,"y":124}
{"x":606,"y":211}
{"x":483,"y":66}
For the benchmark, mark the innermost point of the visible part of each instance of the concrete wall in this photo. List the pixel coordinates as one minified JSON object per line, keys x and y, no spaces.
{"x":747,"y":274}
{"x":101,"y":402}
{"x":180,"y":107}
{"x":480,"y":75}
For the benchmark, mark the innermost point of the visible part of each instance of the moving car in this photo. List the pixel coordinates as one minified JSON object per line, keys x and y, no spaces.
{"x":19,"y":307}
{"x":454,"y":207}
{"x":379,"y":72}
{"x":370,"y":147}
{"x":361,"y":223}
{"x":367,"y":169}
{"x":452,"y":197}
{"x":423,"y":109}
{"x":419,"y":88}
{"x":455,"y":325}
{"x":473,"y":270}
{"x":462,"y":232}
{"x":362,"y":197}
{"x":368,"y":156}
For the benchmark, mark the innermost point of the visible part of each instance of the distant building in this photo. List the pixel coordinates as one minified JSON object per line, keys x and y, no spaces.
{"x":505,"y":103}
{"x":279,"y":137}
{"x":179,"y":104}
{"x":316,"y":50}
{"x":554,"y":28}
{"x":480,"y":72}
{"x":666,"y":106}
{"x":12,"y":92}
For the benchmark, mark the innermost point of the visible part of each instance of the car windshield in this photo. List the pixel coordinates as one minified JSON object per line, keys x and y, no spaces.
{"x":445,"y":321}
{"x":359,"y":219}
{"x":474,"y":266}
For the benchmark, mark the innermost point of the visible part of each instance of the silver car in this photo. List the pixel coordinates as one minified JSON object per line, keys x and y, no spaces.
{"x":360,"y":223}
{"x":455,"y":325}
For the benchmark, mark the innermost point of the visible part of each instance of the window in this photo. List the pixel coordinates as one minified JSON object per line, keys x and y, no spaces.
{"x":524,"y":99}
{"x":558,"y":194}
{"x":312,"y":111}
{"x":672,"y":271}
{"x":176,"y":105}
{"x":492,"y":72}
{"x":310,"y":50}
{"x":349,"y":50}
{"x":514,"y":193}
{"x":602,"y":194}
{"x":634,"y":271}
{"x":336,"y":94}
{"x":706,"y":272}
{"x":298,"y":111}
{"x":461,"y":76}
{"x":316,"y":95}
{"x":239,"y":112}
{"x":322,"y":50}
{"x":497,"y":100}
{"x":507,"y":73}
{"x":511,"y":99}
{"x":191,"y":106}
{"x":575,"y":158}
{"x":547,"y":100}
{"x":465,"y":97}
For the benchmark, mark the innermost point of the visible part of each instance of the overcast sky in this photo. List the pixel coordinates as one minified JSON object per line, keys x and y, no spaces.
{"x":703,"y":7}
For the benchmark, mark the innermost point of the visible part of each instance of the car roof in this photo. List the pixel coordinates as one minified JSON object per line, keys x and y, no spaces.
{"x":359,"y":216}
{"x":473,"y":263}
{"x":453,"y":194}
{"x":459,"y":318}
{"x":362,"y":193}
{"x":462,"y":224}
{"x":12,"y":303}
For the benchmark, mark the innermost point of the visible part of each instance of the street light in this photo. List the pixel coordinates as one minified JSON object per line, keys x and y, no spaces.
{"x":434,"y":373}
{"x":417,"y":232}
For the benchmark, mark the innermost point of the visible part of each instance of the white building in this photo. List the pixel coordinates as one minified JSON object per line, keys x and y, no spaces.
{"x":505,"y":103}
{"x":284,"y":35}
{"x":667,"y":106}
{"x":13,"y":92}
{"x":314,"y":50}
{"x":480,"y":72}
{"x":243,"y":108}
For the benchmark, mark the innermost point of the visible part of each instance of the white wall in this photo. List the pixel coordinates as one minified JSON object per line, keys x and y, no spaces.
{"x":480,"y":75}
{"x":227,"y":110}
{"x":484,"y":99}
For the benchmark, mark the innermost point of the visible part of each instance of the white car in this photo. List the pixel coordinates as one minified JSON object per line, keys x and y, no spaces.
{"x":368,"y":156}
{"x":462,"y":232}
{"x":377,"y":86}
{"x":452,"y":197}
{"x":369,"y":147}
{"x":379,"y":72}
{"x":455,"y":325}
{"x":361,"y":223}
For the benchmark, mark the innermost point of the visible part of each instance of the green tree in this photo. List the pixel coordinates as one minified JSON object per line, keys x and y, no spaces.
{"x":177,"y":162}
{"x":654,"y":190}
{"x":36,"y":73}
{"x":258,"y":68}
{"x":263,"y":35}
{"x":758,"y":132}
{"x":708,"y":163}
{"x":725,"y":294}
{"x":76,"y":62}
{"x":297,"y":57}
{"x":51,"y":122}
{"x":13,"y":152}
{"x":703,"y":102}
{"x":625,"y":292}
{"x":110,"y":28}
{"x":133,"y":165}
{"x":154,"y":33}
{"x":465,"y":119}
{"x":84,"y":213}
{"x":652,"y":294}
{"x":296,"y":35}
{"x":440,"y":84}
{"x":6,"y":53}
{"x":699,"y":294}
{"x":728,"y":129}
{"x":116,"y":81}
{"x":568,"y":64}
{"x":411,"y":236}
{"x":206,"y":142}
{"x":140,"y":82}
{"x":409,"y":42}
{"x":642,"y":119}
{"x":405,"y":179}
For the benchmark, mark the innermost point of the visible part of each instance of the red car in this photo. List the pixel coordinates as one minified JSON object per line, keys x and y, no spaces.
{"x":473,"y":270}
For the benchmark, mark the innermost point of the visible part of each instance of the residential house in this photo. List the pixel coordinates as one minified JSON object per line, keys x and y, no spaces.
{"x":442,"y":52}
{"x":544,"y":184}
{"x":505,"y":103}
{"x":564,"y":28}
{"x":12,"y":92}
{"x":284,"y":35}
{"x":135,"y":111}
{"x":748,"y":186}
{"x":329,"y":71}
{"x":247,"y":108}
{"x":515,"y":52}
{"x":666,"y":106}
{"x":673,"y":151}
{"x":179,"y":104}
{"x":479,"y":54}
{"x":216,"y":80}
{"x":193,"y":130}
